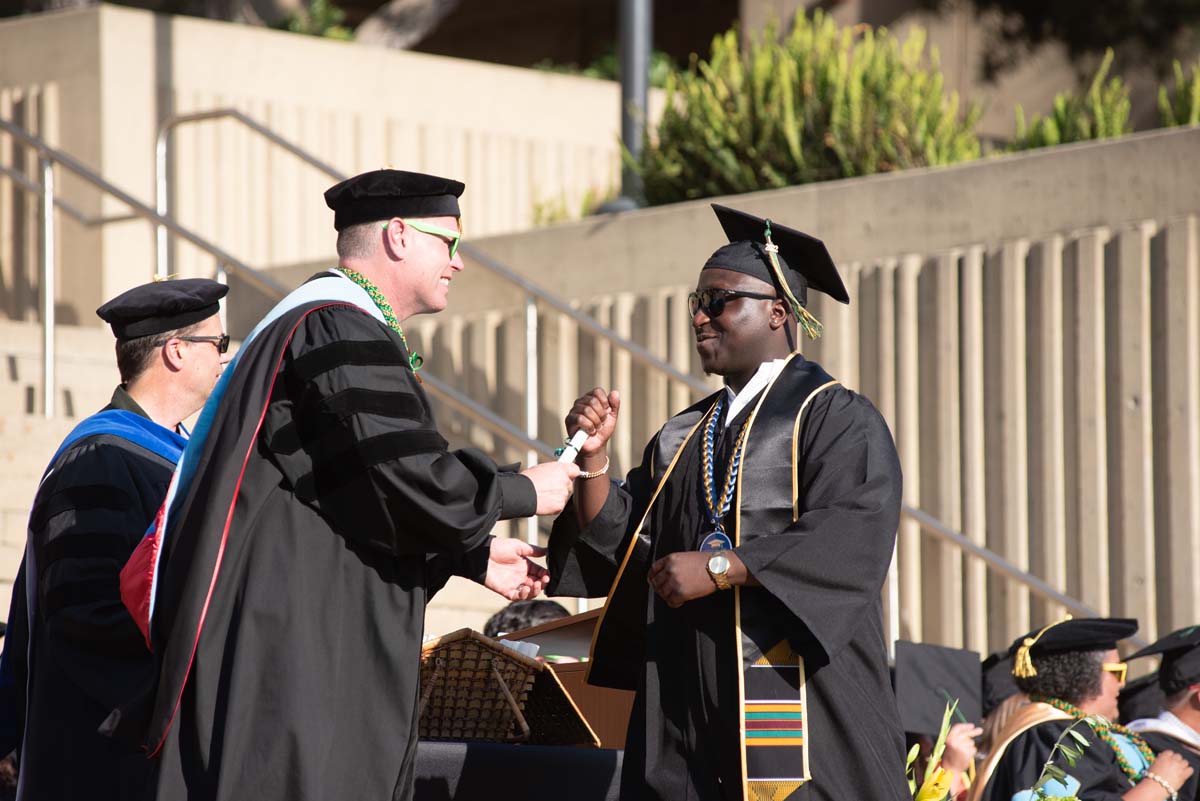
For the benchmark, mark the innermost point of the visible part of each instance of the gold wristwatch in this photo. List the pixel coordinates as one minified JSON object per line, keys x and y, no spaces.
{"x":718,"y":568}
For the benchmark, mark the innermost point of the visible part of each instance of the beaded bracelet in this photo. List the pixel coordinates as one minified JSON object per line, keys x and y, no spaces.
{"x":595,"y":473}
{"x":1172,"y":793}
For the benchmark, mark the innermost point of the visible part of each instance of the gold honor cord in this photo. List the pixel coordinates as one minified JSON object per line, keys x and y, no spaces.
{"x":811,"y":325}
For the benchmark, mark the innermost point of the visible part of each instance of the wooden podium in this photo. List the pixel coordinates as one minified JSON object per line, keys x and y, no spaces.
{"x":606,"y":710}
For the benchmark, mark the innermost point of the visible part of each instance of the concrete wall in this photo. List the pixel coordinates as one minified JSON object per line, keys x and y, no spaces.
{"x":98,"y":81}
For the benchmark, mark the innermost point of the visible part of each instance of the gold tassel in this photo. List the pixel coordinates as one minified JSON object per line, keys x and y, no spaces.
{"x":810,"y":325}
{"x":1022,"y":662}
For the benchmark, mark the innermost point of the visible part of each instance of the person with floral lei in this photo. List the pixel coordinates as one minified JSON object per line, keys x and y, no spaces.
{"x":1072,"y":670}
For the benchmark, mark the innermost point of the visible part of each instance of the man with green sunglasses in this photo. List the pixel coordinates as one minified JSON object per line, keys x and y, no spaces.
{"x":324,"y":510}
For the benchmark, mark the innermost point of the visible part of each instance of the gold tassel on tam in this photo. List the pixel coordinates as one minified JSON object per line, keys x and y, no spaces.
{"x":810,"y":325}
{"x":1022,"y":662}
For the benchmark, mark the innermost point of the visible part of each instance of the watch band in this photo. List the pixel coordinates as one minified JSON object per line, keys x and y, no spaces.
{"x":720,"y":579}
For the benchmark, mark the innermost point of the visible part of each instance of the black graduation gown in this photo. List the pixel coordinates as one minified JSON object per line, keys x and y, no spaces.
{"x":89,"y":514}
{"x":1099,"y":775}
{"x":322,"y":533}
{"x":1159,"y":742}
{"x":822,"y":574}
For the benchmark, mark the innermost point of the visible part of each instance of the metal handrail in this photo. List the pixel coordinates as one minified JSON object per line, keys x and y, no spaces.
{"x":49,"y":156}
{"x":931,"y":525}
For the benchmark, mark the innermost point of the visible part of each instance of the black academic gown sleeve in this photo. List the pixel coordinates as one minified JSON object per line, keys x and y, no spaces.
{"x":1100,"y":777}
{"x":89,"y":656}
{"x":827,"y":568}
{"x":583,"y":560}
{"x":356,"y":439}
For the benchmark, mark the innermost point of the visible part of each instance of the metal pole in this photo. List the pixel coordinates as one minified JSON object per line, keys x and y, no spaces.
{"x":636,"y":36}
{"x":161,"y":205}
{"x":48,"y":388}
{"x":222,"y":277}
{"x":531,"y":397}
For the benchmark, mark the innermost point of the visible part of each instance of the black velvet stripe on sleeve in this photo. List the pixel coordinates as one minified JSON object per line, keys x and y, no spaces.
{"x":346,"y":466}
{"x":346,"y":352}
{"x":93,"y":545}
{"x":80,"y":499}
{"x":358,"y":400}
{"x":347,"y":403}
{"x":78,"y":593}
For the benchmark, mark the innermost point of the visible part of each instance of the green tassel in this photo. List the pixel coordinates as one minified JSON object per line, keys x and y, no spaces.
{"x":810,"y":325}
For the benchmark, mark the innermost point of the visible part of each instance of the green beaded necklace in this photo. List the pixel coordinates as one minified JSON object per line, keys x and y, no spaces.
{"x":1104,"y":732}
{"x":414,"y":359}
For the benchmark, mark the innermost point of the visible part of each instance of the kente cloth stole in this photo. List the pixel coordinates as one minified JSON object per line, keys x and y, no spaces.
{"x":773,"y":743}
{"x":774,"y":737}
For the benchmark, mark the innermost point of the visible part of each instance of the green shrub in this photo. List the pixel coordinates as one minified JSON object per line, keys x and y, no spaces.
{"x":1103,"y":113}
{"x":320,"y":18}
{"x":818,"y":104}
{"x":1184,"y":107}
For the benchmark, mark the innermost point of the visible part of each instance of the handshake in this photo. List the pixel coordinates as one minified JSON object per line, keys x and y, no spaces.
{"x":511,"y":572}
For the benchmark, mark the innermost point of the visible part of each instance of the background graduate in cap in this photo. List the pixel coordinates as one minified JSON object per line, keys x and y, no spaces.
{"x":748,"y":551}
{"x":1177,"y":726}
{"x":1072,"y":670}
{"x":73,"y":652}
{"x":317,"y":509}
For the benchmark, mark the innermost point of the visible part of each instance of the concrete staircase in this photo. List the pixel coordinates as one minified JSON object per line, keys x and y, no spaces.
{"x":86,"y":375}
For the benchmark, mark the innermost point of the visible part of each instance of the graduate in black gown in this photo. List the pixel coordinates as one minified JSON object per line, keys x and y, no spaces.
{"x":73,"y":651}
{"x":316,"y":511}
{"x":1176,"y":727}
{"x":1072,"y":670}
{"x":746,"y":554}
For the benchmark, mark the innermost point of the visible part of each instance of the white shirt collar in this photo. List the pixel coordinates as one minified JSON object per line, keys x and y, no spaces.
{"x":1168,"y":723}
{"x":762,"y":377}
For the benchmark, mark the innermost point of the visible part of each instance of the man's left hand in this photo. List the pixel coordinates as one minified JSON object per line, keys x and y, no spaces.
{"x":511,"y":574}
{"x":682,"y":577}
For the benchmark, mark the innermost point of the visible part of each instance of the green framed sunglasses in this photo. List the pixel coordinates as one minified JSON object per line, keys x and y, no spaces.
{"x":452,"y":237}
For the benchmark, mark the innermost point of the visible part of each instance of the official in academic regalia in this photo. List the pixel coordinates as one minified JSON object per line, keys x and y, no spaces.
{"x":314,"y":513}
{"x":1072,"y":670}
{"x":746,"y":554}
{"x":73,"y":651}
{"x":1177,"y":726}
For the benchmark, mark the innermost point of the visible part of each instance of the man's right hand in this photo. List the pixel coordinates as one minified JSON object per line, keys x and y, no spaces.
{"x":595,"y":413}
{"x":553,"y":482}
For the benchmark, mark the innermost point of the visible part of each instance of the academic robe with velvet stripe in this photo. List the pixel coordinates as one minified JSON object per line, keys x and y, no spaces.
{"x":89,"y":513}
{"x":821,"y":577}
{"x":324,"y":512}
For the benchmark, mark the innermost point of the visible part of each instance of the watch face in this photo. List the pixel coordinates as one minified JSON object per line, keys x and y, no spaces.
{"x":718,"y":564}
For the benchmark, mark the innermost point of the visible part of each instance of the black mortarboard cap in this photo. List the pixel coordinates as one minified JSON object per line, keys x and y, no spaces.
{"x":383,"y":194}
{"x":1180,"y":665}
{"x":1140,"y":698}
{"x":927,"y":677}
{"x":162,"y":306}
{"x":1071,"y":634}
{"x":804,"y":259}
{"x":998,"y":682}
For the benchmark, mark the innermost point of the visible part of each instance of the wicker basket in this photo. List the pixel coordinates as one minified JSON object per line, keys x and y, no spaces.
{"x":473,"y":688}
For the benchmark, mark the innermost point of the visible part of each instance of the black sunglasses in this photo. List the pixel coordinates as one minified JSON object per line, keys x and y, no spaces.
{"x":222,"y":341}
{"x":713,"y":301}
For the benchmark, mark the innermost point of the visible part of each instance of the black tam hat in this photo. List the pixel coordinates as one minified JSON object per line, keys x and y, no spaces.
{"x":927,"y":678}
{"x":1180,"y":666}
{"x":383,"y":194}
{"x":1069,"y":635}
{"x":788,"y":259}
{"x":162,"y":306}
